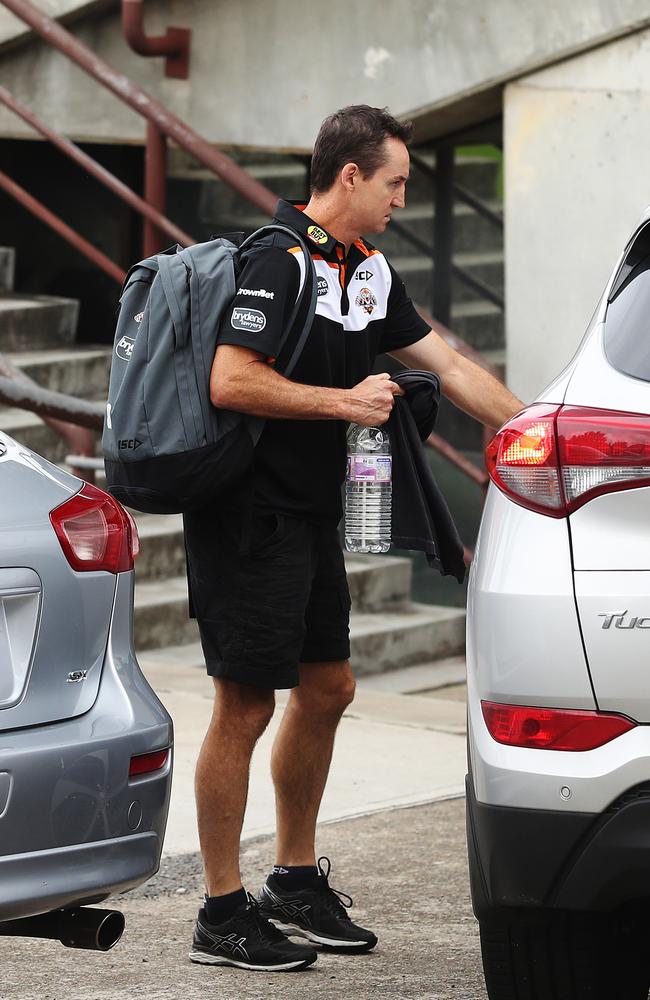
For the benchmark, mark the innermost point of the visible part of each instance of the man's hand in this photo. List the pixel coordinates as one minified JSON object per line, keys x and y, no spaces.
{"x":371,"y":401}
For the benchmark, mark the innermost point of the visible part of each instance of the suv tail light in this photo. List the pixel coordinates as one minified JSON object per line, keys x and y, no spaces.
{"x":553,"y":459}
{"x":552,"y":728}
{"x":96,"y":532}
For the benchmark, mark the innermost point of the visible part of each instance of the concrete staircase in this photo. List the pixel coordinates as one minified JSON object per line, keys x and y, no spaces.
{"x":389,"y":631}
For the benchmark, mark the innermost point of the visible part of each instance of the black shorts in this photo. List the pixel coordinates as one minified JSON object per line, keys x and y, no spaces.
{"x":269,"y":591}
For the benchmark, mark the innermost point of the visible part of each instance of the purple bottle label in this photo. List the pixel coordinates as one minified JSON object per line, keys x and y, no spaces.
{"x":369,"y":469}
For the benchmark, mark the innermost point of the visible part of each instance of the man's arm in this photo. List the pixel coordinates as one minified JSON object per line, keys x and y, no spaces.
{"x":242,"y":380}
{"x":466,"y":384}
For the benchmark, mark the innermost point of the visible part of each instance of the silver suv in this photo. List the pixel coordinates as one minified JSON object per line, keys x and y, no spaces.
{"x":85,"y":744}
{"x":558,"y":657}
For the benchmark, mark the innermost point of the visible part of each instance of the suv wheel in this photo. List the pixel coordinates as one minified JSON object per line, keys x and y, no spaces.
{"x":557,"y":955}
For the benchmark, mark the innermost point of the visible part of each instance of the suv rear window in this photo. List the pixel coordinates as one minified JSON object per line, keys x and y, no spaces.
{"x":627,"y":321}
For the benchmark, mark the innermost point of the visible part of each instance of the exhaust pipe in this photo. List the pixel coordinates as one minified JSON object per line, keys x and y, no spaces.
{"x":79,"y":927}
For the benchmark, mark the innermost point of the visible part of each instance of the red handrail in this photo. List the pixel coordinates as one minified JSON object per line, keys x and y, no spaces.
{"x":62,"y":228}
{"x":103,"y":175}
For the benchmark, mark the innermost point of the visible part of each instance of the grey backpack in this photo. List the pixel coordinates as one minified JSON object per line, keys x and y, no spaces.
{"x":167,"y":449}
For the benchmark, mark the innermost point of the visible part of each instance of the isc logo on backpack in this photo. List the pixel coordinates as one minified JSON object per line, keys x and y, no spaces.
{"x":248,"y":319}
{"x":167,"y":449}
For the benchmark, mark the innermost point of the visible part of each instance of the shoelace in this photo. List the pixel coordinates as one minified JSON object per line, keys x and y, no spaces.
{"x":335,"y":900}
{"x":266,"y":930}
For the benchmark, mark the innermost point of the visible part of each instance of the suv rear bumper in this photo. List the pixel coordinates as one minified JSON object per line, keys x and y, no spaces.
{"x":542,"y":858}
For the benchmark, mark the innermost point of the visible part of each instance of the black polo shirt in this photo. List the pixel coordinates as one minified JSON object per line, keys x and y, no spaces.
{"x":362,"y":310}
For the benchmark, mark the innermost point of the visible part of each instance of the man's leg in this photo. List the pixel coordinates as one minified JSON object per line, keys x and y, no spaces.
{"x":240,"y":716}
{"x":297,"y":896}
{"x":302,"y":753}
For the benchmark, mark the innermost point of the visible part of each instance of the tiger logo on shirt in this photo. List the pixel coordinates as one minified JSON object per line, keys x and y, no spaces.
{"x":366,"y":300}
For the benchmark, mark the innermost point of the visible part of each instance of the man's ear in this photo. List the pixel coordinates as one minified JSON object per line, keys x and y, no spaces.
{"x":350,"y":175}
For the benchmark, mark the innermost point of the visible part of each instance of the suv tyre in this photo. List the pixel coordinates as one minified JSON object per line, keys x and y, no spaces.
{"x":561,"y":955}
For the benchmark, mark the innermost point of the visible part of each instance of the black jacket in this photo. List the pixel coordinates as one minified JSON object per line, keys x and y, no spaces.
{"x":420,"y":516}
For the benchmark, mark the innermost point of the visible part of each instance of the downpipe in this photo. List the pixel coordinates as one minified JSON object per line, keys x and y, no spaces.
{"x":78,"y":927}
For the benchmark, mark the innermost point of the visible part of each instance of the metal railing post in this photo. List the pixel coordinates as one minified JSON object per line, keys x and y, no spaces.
{"x":443,"y":233}
{"x":155,"y":183}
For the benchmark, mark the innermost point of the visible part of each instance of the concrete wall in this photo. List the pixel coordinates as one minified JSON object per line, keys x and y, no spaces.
{"x":577,"y":179}
{"x":265,"y":72}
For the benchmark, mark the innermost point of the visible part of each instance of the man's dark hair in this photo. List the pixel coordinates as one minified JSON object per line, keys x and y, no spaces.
{"x":355,"y":134}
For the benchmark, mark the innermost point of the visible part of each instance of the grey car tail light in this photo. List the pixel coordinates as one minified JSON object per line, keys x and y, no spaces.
{"x":96,"y":532}
{"x":554,"y":459}
{"x":20,"y":600}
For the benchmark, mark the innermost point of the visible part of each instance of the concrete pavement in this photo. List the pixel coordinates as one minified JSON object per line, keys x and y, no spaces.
{"x":404,"y":863}
{"x":392,"y":750}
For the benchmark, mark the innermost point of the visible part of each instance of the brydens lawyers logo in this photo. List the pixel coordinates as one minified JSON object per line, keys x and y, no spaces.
{"x":317,"y":235}
{"x":248,"y":319}
{"x":366,"y":300}
{"x":124,"y":348}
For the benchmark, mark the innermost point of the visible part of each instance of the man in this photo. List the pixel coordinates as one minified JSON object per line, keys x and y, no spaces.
{"x":267,"y":574}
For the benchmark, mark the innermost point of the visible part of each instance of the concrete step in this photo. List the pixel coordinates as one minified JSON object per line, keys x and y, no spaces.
{"x":472,"y":233}
{"x":162,"y":551}
{"x":422,"y":677}
{"x":7,"y":267}
{"x":161,"y":615}
{"x":477,"y":174}
{"x":417,"y":274}
{"x":287,"y":176}
{"x":81,"y":372}
{"x":30,"y":431}
{"x":480,"y":324}
{"x":36,"y":321}
{"x":375,"y":581}
{"x":390,"y":640}
{"x":395,"y":639}
{"x":398,"y":635}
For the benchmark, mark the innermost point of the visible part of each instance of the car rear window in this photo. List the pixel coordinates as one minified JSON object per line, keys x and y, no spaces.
{"x":627,"y":321}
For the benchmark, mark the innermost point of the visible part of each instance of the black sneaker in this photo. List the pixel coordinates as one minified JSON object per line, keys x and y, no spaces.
{"x":248,"y":941}
{"x":317,"y":913}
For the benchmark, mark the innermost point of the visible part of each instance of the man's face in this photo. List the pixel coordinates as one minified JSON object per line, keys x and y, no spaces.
{"x":375,"y":198}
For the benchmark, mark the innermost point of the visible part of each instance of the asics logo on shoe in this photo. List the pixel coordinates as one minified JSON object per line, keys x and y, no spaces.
{"x":290,"y":907}
{"x":231,"y":943}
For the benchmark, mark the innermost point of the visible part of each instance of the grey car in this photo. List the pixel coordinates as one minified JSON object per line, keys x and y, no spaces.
{"x":85,"y":744}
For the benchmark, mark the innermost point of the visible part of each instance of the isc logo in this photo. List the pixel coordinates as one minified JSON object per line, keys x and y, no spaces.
{"x":131,"y":443}
{"x":363,"y":275}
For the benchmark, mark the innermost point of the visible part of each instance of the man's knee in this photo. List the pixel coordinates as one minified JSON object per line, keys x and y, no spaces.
{"x":243,"y":707}
{"x":326,"y":687}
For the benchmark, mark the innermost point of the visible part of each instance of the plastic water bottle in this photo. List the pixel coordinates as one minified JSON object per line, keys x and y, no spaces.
{"x":368,"y":490}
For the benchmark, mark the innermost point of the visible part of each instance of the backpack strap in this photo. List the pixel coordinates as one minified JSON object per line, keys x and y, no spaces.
{"x":309,"y":288}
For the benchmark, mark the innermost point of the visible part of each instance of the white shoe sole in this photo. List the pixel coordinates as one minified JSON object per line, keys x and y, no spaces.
{"x":204,"y":958}
{"x":295,"y":930}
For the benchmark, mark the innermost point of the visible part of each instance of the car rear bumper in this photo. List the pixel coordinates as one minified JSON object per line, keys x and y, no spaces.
{"x":544,"y":858}
{"x":74,"y":825}
{"x":48,"y":880}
